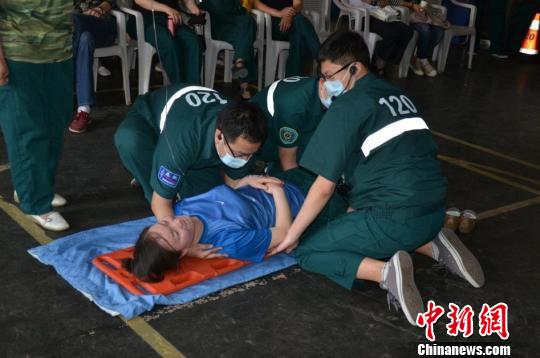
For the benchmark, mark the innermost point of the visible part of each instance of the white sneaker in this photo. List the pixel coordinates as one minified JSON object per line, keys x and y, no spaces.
{"x":103,"y":71}
{"x":417,"y":68}
{"x":57,"y":201}
{"x":429,"y":70}
{"x":52,"y":221}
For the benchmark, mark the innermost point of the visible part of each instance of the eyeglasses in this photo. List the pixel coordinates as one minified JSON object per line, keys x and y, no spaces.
{"x":326,"y":78}
{"x":244,"y":156}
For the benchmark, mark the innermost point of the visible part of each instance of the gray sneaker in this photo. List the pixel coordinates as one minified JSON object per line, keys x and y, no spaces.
{"x":457,"y":258}
{"x":398,"y":280}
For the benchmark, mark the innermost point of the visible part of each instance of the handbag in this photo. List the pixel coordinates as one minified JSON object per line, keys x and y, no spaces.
{"x":431,"y":15}
{"x":386,"y":13}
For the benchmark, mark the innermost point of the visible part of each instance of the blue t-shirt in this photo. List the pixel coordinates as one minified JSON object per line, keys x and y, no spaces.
{"x":239,"y":220}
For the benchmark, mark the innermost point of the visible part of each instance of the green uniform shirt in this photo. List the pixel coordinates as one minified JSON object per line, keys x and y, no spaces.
{"x":374,"y":138}
{"x":293,"y":111}
{"x":187,"y":124}
{"x":222,"y":10}
{"x":36,"y":31}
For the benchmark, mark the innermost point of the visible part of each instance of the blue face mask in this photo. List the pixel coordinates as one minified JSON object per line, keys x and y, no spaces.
{"x":233,"y":162}
{"x":334,"y":88}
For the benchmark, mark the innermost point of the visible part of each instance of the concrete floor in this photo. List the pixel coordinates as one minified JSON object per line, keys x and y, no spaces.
{"x":295,"y":313}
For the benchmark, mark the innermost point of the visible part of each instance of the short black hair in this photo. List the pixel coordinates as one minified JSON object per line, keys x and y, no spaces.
{"x":343,"y":47}
{"x":150,"y":259}
{"x":245,"y":120}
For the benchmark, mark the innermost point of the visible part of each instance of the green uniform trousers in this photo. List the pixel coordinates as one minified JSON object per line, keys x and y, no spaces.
{"x":136,"y":141}
{"x":304,"y":43}
{"x":231,"y":23}
{"x":36,"y":107}
{"x":240,"y":32}
{"x":337,"y":249}
{"x":181,"y":56}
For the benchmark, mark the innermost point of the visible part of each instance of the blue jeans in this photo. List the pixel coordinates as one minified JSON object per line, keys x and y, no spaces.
{"x":89,"y":32}
{"x":429,"y":36}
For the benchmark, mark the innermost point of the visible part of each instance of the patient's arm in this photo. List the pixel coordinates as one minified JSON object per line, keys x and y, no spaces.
{"x":283,"y":214}
{"x":256,"y":181}
{"x":205,"y":251}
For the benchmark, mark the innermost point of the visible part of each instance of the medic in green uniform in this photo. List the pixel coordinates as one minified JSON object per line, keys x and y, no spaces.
{"x":36,"y":89}
{"x":288,"y":24}
{"x":374,"y":142}
{"x":293,"y":111}
{"x":231,"y":23}
{"x":181,"y":55}
{"x":179,"y":139}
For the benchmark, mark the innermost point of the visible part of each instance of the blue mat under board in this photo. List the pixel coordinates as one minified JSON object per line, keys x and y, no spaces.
{"x":72,"y":256}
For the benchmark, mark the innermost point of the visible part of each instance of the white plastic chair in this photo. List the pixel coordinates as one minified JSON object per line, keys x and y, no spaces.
{"x":120,"y":49}
{"x":276,"y":55}
{"x":258,"y":45}
{"x":318,"y":11}
{"x":145,"y":51}
{"x":214,"y":47}
{"x":405,"y":63}
{"x":359,"y":21}
{"x":469,"y":31}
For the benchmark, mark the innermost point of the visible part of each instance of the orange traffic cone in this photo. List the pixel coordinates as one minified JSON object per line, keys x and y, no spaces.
{"x":530,"y":44}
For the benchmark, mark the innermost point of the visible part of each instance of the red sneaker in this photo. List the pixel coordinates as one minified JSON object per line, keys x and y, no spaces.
{"x":80,"y":122}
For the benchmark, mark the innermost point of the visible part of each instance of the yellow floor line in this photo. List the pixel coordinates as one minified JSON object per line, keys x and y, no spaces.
{"x":504,"y":172}
{"x":507,"y":208}
{"x":28,"y":225}
{"x":465,"y":165}
{"x":486,"y":150}
{"x":152,"y":337}
{"x":4,"y":167}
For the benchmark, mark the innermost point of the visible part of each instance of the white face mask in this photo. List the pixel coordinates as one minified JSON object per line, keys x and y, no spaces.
{"x":229,"y":160}
{"x":334,"y":88}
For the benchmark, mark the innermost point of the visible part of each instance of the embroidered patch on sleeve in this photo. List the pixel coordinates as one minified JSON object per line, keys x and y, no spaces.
{"x":288,"y":135}
{"x":168,"y":178}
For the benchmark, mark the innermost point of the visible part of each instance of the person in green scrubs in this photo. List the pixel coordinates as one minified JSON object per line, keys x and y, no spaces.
{"x":36,"y":90}
{"x":183,"y":140}
{"x":180,"y":55}
{"x":231,"y":23}
{"x":375,"y":144}
{"x":288,"y":24}
{"x":293,"y":110}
